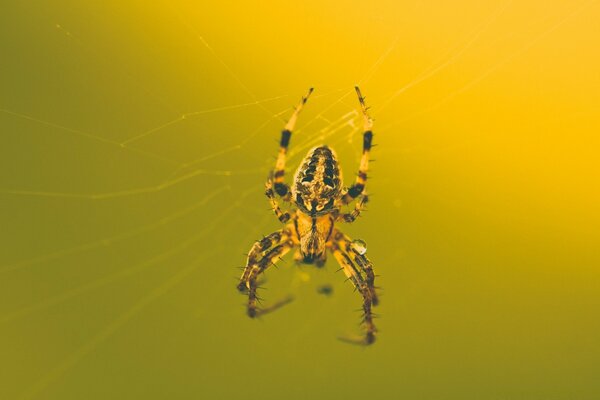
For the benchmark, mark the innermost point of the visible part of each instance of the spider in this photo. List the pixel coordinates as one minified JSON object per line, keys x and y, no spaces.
{"x":318,"y":195}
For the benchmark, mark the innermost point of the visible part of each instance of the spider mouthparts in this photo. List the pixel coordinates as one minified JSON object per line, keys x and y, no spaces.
{"x":309,"y":258}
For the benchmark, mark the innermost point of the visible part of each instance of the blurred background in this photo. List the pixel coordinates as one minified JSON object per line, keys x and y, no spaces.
{"x":136,"y":139}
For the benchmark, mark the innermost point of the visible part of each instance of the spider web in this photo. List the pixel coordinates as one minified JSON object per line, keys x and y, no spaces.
{"x":154,"y":187}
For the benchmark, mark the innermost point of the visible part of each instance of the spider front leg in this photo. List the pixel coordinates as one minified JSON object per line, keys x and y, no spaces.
{"x":355,"y":268}
{"x":361,"y":180}
{"x":278,"y":173}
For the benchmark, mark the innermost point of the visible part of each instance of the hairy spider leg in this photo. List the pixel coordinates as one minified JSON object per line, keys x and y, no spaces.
{"x":270,"y":258}
{"x":350,"y":217}
{"x":358,"y":187}
{"x":278,"y":173}
{"x":346,"y":243}
{"x":283,"y":216}
{"x":257,"y":251}
{"x":354,"y":275}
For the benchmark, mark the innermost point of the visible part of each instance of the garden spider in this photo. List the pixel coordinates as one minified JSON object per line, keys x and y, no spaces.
{"x":318,"y":195}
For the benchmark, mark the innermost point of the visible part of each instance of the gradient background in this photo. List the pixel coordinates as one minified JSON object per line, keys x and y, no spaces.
{"x":136,"y":139}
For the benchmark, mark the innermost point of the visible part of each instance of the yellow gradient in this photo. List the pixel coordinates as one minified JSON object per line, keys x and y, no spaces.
{"x":137,"y":138}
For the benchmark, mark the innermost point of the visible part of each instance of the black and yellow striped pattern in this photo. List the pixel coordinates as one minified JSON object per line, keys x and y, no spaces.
{"x":283,"y":216}
{"x":359,"y":185}
{"x":279,"y":172}
{"x":361,"y":261}
{"x":269,"y":258}
{"x":358,"y":270}
{"x":266,"y":243}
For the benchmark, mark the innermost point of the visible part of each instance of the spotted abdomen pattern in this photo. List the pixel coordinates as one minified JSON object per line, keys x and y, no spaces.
{"x":318,"y":181}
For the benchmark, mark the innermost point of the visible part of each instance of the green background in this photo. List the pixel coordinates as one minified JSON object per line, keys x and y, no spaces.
{"x":136,"y":139}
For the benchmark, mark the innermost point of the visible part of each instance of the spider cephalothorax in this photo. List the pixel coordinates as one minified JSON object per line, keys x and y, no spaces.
{"x":319,"y":194}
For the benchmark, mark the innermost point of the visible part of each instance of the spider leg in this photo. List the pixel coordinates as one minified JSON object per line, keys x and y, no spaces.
{"x":350,"y":217}
{"x":361,"y":180}
{"x":269,"y":258}
{"x":366,"y":266}
{"x":361,"y":283}
{"x":281,"y":188}
{"x":257,"y":251}
{"x":283,"y":216}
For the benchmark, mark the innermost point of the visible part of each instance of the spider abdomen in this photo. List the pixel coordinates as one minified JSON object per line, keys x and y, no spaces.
{"x":317,"y":182}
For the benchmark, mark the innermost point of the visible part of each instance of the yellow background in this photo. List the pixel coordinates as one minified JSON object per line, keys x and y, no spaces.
{"x":136,"y":139}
